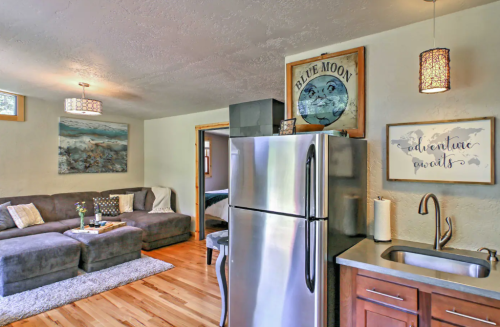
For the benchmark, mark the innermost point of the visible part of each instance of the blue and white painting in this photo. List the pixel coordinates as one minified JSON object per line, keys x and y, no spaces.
{"x":87,"y":146}
{"x":326,"y":92}
{"x":323,"y":100}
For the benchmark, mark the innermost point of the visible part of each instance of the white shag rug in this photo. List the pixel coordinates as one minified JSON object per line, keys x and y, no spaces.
{"x":45,"y":298}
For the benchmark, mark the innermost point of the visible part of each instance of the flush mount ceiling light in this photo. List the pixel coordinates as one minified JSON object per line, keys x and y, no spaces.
{"x":434,"y":66}
{"x":83,"y":106}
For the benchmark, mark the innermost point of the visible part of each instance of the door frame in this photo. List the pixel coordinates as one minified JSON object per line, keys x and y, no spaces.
{"x":201,"y":128}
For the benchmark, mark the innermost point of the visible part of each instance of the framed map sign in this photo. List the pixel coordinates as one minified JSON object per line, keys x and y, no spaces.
{"x":329,"y":90}
{"x":451,"y":151}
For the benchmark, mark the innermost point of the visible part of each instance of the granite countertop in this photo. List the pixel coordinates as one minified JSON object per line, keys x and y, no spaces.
{"x":367,"y":255}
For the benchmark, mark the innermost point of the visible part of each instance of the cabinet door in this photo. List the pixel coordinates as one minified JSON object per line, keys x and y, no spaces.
{"x":369,"y":314}
{"x":436,"y":323}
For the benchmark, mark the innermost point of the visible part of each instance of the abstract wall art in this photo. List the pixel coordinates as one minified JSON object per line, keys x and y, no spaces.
{"x":87,"y":146}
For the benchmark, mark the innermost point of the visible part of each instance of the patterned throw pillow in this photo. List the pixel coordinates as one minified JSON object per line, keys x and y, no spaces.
{"x":108,"y":206}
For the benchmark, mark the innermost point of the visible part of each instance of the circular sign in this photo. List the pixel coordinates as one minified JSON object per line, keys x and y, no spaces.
{"x":323,"y":100}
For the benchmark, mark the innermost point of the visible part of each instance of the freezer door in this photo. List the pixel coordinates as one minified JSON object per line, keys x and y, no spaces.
{"x":267,"y":286}
{"x":268,"y":173}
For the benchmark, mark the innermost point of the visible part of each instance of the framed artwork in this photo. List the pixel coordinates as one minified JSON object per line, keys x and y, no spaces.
{"x":329,"y":90}
{"x":449,"y":151}
{"x":87,"y":146}
{"x":287,"y":127}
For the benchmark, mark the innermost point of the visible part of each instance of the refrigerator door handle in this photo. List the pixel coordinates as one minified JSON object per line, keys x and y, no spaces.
{"x":311,"y":155}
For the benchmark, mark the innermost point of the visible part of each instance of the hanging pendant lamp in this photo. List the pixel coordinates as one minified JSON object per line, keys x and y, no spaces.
{"x":83,"y":106}
{"x":434,"y":66}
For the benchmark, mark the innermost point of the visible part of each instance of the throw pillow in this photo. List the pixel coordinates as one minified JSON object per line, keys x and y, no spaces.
{"x":25,"y":215}
{"x":125,"y":202}
{"x":6,"y":220}
{"x":108,"y":206}
{"x":162,"y":200}
{"x":139,"y":199}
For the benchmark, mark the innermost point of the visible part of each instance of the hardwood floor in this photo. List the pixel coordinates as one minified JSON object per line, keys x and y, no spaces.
{"x":187,"y":295}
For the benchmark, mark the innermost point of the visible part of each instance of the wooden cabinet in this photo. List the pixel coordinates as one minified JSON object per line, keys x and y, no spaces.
{"x":369,"y":314}
{"x":369,"y":299}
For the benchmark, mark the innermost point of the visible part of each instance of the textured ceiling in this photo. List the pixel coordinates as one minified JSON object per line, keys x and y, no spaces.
{"x":158,"y":58}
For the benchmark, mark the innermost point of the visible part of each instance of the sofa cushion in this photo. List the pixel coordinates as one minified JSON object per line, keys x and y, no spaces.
{"x":44,"y":204}
{"x":150,"y":199}
{"x":31,"y":256}
{"x":65,"y":204}
{"x":6,"y":220}
{"x":125,"y":202}
{"x":139,"y":199}
{"x":53,"y":226}
{"x":157,"y":226}
{"x":25,"y":215}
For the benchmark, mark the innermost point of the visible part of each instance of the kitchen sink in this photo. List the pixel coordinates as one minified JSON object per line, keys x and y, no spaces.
{"x":438,"y":260}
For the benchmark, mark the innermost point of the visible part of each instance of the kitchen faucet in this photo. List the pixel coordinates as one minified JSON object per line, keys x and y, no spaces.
{"x":439,"y":241}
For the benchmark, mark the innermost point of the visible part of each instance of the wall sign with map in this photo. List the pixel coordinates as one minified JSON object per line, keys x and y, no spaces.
{"x":329,"y":90}
{"x":452,"y":151}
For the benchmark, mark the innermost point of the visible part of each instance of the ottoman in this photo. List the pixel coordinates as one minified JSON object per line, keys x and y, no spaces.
{"x":33,"y":261}
{"x":100,"y":251}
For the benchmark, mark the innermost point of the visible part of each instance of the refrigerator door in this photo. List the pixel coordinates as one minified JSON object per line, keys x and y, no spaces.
{"x":268,"y":173}
{"x":267,"y":286}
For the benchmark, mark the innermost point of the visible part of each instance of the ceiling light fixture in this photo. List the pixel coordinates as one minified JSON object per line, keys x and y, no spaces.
{"x":434,"y":66}
{"x":83,"y":106}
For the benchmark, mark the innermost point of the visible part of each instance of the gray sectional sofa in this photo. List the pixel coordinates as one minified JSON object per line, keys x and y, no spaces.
{"x":59,"y":215}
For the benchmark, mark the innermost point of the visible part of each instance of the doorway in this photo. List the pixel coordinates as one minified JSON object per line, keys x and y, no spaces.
{"x":212,"y":178}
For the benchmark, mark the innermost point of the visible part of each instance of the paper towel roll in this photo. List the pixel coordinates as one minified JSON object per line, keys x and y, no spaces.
{"x":382,"y":220}
{"x":351,"y":204}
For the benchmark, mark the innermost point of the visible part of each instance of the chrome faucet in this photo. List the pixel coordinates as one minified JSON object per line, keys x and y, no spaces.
{"x":439,"y":241}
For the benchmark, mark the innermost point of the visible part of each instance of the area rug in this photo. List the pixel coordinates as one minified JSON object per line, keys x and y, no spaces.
{"x":30,"y":303}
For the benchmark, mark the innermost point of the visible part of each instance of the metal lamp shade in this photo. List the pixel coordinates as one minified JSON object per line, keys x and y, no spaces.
{"x":435,"y":70}
{"x":82,"y":106}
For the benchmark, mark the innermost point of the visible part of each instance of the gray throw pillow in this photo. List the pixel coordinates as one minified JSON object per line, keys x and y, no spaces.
{"x":6,"y":220}
{"x":139,"y":199}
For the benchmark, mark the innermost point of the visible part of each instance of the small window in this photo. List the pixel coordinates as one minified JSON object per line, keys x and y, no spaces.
{"x":11,"y":106}
{"x":208,"y":158}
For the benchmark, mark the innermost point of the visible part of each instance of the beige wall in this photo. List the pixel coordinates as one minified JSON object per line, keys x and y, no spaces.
{"x":169,"y":154}
{"x":220,"y":163}
{"x":392,"y":97}
{"x":29,"y":152}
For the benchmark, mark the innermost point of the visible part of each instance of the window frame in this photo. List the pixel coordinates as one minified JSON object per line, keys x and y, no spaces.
{"x":209,"y":140}
{"x":19,"y":116}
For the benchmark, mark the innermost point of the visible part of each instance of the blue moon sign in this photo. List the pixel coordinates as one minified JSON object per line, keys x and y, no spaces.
{"x":323,"y":100}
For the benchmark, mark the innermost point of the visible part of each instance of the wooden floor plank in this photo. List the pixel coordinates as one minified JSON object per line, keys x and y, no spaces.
{"x":186,"y":296}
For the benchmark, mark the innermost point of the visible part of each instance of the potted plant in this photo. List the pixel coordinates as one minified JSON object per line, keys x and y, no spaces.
{"x":80,"y":208}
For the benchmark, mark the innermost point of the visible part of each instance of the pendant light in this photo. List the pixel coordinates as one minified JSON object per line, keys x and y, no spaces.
{"x":434,"y":66}
{"x":83,"y":106}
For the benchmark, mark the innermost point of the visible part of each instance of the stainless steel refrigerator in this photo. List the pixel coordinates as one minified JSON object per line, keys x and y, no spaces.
{"x":296,"y":202}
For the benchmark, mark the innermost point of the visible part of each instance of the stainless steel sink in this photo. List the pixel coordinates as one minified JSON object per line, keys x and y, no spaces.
{"x":440,"y":261}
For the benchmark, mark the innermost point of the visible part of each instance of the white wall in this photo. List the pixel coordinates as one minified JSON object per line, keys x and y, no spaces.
{"x":392,"y":97}
{"x":29,"y":153}
{"x":169,"y":154}
{"x":220,"y":163}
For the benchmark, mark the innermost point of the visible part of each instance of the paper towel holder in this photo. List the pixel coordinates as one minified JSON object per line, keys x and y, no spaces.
{"x":383,"y":240}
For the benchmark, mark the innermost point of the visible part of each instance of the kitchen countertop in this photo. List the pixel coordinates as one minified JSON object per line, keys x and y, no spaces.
{"x":367,"y":255}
